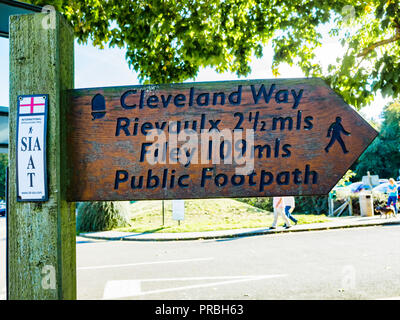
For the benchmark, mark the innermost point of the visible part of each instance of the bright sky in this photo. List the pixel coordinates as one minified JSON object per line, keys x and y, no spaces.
{"x":108,"y":67}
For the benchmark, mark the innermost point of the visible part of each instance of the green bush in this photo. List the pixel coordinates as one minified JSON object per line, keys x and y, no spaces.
{"x":304,"y":205}
{"x":102,"y":216}
{"x":262,"y":203}
{"x":3,"y":167}
{"x":311,"y":204}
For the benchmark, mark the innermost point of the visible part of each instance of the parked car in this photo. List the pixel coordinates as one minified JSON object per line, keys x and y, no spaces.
{"x":358,"y":186}
{"x":383,"y":188}
{"x":2,"y":210}
{"x":353,"y":188}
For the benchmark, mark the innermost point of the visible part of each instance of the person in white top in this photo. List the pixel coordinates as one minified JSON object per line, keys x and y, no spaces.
{"x":279,"y":207}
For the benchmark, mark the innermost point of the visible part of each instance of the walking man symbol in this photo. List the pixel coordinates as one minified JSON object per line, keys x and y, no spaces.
{"x":334,"y":131}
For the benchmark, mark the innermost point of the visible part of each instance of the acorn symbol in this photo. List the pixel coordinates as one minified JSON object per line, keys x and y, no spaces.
{"x":98,"y":107}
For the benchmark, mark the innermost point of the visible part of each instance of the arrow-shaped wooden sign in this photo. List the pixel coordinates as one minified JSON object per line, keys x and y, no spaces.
{"x":254,"y":138}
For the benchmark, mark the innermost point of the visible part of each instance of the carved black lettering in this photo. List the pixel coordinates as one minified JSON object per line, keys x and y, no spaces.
{"x":262,"y":92}
{"x":309,"y":173}
{"x":122,"y":124}
{"x":308,"y":120}
{"x":286,"y":149}
{"x":214,"y":124}
{"x":165,"y":102}
{"x":221,"y":180}
{"x":251,"y":178}
{"x":152,"y":180}
{"x":297,"y":97}
{"x":120,"y":176}
{"x":139,"y":184}
{"x":147,"y":126}
{"x":235,"y":98}
{"x":205,"y":175}
{"x":225,"y":149}
{"x":282,"y":122}
{"x":259,"y":151}
{"x":144,"y":150}
{"x":152,"y":102}
{"x":203,"y":99}
{"x":179,"y":100}
{"x":235,"y":182}
{"x":124,"y":96}
{"x":298,"y":120}
{"x":240,"y":120}
{"x":221,"y":100}
{"x":283,"y":178}
{"x":297,"y":176}
{"x":181,"y":184}
{"x":172,"y":181}
{"x":277,"y":147}
{"x":263,"y":182}
{"x":282,"y":96}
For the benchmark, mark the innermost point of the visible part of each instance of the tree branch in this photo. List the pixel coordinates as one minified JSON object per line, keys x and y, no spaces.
{"x":379,"y":43}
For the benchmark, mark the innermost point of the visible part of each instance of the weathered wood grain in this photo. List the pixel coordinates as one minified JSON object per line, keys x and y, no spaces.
{"x":42,"y":233}
{"x":100,"y":151}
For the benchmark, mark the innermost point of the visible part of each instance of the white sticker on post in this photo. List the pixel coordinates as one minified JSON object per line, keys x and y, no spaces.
{"x":31,"y":148}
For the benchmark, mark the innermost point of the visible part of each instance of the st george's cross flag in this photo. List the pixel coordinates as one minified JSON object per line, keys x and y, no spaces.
{"x":32,"y":104}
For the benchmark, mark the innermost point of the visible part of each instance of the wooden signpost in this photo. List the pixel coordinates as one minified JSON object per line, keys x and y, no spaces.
{"x":41,"y":234}
{"x":305,"y":137}
{"x":193,"y":140}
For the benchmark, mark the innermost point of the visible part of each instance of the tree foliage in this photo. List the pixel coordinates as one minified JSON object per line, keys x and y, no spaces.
{"x":169,"y":40}
{"x":102,"y":215}
{"x":382,"y":157}
{"x":3,"y":168}
{"x":346,"y":178}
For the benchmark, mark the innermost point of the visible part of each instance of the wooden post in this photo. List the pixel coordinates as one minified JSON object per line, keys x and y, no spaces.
{"x":331,"y":205}
{"x":42,"y":251}
{"x":350,"y":206}
{"x":163,"y":212}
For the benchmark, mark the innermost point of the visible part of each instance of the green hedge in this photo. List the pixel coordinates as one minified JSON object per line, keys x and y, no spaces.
{"x":311,"y":205}
{"x":304,"y":205}
{"x":102,"y":216}
{"x":262,"y":203}
{"x":314,"y":204}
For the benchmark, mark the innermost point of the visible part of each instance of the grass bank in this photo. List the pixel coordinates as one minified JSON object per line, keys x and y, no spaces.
{"x":205,"y":215}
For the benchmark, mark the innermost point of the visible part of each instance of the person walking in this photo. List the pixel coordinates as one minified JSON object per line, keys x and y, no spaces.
{"x":393,"y":193}
{"x":278,"y":205}
{"x":288,"y":203}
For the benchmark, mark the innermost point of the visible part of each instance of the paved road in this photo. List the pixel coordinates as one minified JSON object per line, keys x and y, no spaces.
{"x":359,"y":263}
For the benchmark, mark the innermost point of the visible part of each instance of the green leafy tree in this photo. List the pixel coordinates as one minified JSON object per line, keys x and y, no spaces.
{"x":3,"y":168}
{"x":102,"y":215}
{"x":169,"y":40}
{"x":346,"y":178}
{"x":382,"y":157}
